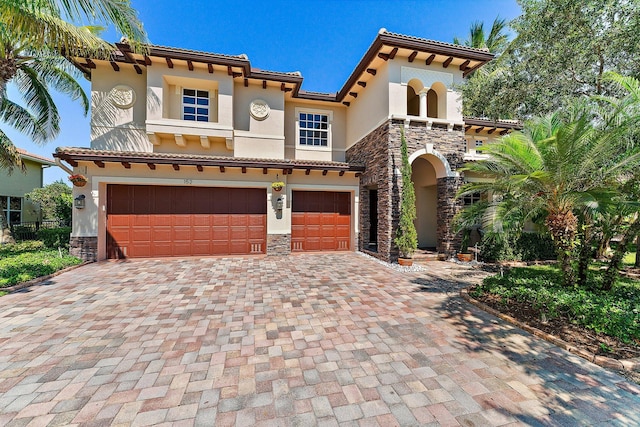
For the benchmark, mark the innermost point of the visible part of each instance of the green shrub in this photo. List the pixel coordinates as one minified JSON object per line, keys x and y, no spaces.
{"x":21,"y":247}
{"x":615,"y":313}
{"x":525,"y":247}
{"x":55,"y":237}
{"x":26,"y":265}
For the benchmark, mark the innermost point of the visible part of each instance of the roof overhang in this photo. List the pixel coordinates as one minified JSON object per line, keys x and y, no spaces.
{"x":25,"y":155}
{"x":74,"y":155}
{"x":501,"y":127}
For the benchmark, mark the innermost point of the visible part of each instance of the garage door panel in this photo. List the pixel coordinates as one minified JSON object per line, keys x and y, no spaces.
{"x":145,"y":221}
{"x":320,"y":221}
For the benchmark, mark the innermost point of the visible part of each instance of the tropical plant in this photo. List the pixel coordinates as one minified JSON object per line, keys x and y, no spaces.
{"x":496,"y":42}
{"x":406,"y":235}
{"x":35,"y":37}
{"x":562,"y":166}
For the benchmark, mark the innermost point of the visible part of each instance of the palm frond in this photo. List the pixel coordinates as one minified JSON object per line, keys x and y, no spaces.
{"x":9,"y":156}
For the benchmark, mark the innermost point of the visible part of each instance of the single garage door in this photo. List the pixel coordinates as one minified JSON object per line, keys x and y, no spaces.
{"x":320,"y":221}
{"x":155,"y":221}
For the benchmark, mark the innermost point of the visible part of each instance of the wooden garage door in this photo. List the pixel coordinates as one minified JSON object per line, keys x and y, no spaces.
{"x":154,"y":221}
{"x":320,"y":221}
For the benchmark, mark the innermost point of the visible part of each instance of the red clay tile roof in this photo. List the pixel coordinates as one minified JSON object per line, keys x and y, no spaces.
{"x":88,"y":154}
{"x":35,"y":157}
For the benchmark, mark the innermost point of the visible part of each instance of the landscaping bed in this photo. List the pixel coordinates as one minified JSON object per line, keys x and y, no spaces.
{"x":25,"y":261}
{"x":603,"y":323}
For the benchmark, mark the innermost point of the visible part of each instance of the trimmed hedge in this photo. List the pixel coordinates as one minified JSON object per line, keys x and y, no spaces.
{"x":55,"y":237}
{"x":525,"y":247}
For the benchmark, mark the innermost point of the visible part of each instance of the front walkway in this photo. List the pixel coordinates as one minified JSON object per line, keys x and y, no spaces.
{"x":313,"y":339}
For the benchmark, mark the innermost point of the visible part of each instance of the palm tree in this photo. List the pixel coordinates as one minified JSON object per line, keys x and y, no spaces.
{"x":559,"y":168}
{"x":496,"y":42}
{"x":34,"y":41}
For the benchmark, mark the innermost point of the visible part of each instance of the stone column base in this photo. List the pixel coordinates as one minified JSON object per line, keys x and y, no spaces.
{"x":278,"y":244}
{"x":85,"y":248}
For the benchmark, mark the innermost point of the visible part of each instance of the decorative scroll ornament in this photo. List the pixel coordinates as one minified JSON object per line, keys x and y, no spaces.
{"x":123,"y":96}
{"x":259,"y":109}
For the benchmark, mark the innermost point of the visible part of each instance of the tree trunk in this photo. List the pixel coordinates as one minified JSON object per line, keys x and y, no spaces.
{"x":637,"y":264}
{"x":563,"y":227}
{"x":584,"y":256}
{"x":611,"y":275}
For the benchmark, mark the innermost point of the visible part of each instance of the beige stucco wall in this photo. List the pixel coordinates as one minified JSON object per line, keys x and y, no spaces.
{"x":113,"y":128}
{"x":338,"y":115}
{"x":424,"y":179}
{"x":371,"y":107}
{"x":452,"y":102}
{"x":91,"y":221}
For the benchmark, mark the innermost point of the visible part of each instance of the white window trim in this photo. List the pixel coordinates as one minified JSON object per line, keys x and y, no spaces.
{"x":9,"y":210}
{"x":329,"y":114}
{"x":182,"y":95}
{"x":471,"y":143}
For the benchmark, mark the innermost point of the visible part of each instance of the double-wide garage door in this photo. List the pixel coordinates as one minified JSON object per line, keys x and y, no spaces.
{"x":157,"y":221}
{"x":320,"y":221}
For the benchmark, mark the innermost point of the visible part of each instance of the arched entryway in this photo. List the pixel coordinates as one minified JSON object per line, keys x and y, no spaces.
{"x":425,"y":183}
{"x":428,"y":167}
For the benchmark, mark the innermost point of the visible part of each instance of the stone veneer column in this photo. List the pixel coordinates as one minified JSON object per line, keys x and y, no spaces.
{"x":448,"y":206}
{"x":85,"y":248}
{"x":379,"y":152}
{"x":278,"y":244}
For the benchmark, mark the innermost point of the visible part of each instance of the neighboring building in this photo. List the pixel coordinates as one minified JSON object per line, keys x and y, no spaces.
{"x":15,"y":208}
{"x":185,"y":146}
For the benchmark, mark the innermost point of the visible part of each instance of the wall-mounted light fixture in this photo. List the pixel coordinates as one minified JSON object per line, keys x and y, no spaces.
{"x":279,"y":203}
{"x":79,"y":202}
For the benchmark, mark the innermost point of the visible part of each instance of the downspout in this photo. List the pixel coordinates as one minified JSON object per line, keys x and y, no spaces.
{"x":63,"y":167}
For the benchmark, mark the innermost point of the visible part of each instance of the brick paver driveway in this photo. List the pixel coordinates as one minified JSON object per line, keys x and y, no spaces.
{"x":314,"y":339}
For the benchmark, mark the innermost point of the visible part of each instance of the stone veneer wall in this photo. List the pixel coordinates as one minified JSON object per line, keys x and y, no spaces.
{"x":278,"y":244}
{"x":372,"y":152}
{"x":448,"y":206}
{"x":380,"y":153}
{"x":85,"y":248}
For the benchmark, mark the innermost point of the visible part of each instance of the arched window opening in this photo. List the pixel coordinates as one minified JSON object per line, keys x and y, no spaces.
{"x":432,"y":104}
{"x":414,"y":86}
{"x":413,"y":102}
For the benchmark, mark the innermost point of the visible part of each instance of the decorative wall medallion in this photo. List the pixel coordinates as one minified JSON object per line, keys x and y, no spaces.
{"x":123,"y":96}
{"x":259,"y":109}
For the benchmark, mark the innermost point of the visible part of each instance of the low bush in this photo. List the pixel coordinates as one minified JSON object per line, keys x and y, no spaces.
{"x":55,"y":237}
{"x":525,"y":247}
{"x":28,"y":260}
{"x":615,"y":313}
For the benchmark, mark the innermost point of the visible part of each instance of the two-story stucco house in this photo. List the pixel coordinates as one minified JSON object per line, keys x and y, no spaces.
{"x":185,"y":146}
{"x":14,"y":208}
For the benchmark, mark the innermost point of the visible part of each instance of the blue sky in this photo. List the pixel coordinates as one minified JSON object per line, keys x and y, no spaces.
{"x":324,"y":40}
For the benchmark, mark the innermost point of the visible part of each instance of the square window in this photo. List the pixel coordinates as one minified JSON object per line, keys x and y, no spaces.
{"x":313,"y":129}
{"x":195,"y":105}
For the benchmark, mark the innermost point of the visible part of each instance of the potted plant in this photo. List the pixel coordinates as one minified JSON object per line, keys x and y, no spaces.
{"x":277,"y":185}
{"x":406,"y":235}
{"x":78,"y":180}
{"x":464,"y":255}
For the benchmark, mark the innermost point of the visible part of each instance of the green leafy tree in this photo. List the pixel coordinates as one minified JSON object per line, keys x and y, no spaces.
{"x":563,"y":49}
{"x":47,"y":198}
{"x":406,"y":236}
{"x":561,"y":167}
{"x":63,"y":207}
{"x":35,"y":38}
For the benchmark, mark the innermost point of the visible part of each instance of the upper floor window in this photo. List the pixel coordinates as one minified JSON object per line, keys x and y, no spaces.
{"x":314,"y":129}
{"x":478,"y":143}
{"x":195,"y":105}
{"x":11,"y":209}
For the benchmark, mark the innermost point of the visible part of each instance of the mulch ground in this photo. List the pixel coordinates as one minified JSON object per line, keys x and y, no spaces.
{"x":562,"y":327}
